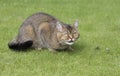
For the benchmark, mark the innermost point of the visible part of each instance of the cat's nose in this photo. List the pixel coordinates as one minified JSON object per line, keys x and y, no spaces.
{"x":71,"y":40}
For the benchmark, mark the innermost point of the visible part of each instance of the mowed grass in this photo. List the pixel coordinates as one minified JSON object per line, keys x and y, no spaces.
{"x":97,"y":52}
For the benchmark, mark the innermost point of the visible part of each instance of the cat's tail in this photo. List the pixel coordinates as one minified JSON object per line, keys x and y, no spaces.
{"x":19,"y":46}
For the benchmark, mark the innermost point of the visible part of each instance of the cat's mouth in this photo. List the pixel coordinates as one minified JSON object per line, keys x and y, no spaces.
{"x":69,"y":43}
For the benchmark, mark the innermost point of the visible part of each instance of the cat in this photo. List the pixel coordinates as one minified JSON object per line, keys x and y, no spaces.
{"x":42,"y":30}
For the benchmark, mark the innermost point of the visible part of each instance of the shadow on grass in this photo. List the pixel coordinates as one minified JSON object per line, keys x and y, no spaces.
{"x":78,"y":48}
{"x":24,"y":51}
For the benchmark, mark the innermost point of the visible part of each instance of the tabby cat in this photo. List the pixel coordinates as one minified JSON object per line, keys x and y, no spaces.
{"x":42,"y":30}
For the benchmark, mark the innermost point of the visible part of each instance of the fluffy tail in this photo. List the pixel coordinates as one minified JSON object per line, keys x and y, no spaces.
{"x":20,"y":46}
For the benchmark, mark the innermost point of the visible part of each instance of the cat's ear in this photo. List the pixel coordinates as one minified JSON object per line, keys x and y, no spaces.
{"x":76,"y":24}
{"x":59,"y":26}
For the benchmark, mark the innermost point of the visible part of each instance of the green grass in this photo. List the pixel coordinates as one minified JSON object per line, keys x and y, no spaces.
{"x":97,"y":52}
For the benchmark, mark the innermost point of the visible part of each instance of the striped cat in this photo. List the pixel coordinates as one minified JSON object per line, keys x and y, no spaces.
{"x":42,"y":30}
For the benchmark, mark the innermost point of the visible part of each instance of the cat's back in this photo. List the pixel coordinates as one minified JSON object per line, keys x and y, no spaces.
{"x":39,"y":18}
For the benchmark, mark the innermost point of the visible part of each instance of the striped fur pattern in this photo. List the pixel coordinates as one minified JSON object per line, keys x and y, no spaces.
{"x":42,"y":30}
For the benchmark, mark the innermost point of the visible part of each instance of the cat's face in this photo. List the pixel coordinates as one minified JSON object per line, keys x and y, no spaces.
{"x":67,"y":34}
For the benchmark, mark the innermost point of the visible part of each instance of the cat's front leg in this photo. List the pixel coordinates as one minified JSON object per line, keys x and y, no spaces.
{"x":70,"y":48}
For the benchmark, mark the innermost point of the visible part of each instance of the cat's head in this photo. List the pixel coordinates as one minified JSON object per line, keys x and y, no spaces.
{"x":67,"y":34}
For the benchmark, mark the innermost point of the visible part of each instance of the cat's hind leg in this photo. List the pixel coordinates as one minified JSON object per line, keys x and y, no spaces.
{"x":24,"y":40}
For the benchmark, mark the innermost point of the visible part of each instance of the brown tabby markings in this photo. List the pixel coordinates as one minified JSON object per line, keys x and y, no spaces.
{"x":44,"y":31}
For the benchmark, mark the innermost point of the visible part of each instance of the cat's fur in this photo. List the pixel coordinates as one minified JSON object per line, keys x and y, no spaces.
{"x":42,"y":30}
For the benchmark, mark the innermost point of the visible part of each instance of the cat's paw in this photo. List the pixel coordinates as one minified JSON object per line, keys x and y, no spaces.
{"x":70,"y":49}
{"x":38,"y":49}
{"x":52,"y":50}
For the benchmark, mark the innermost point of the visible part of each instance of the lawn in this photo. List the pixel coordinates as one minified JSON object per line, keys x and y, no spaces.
{"x":97,"y":52}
